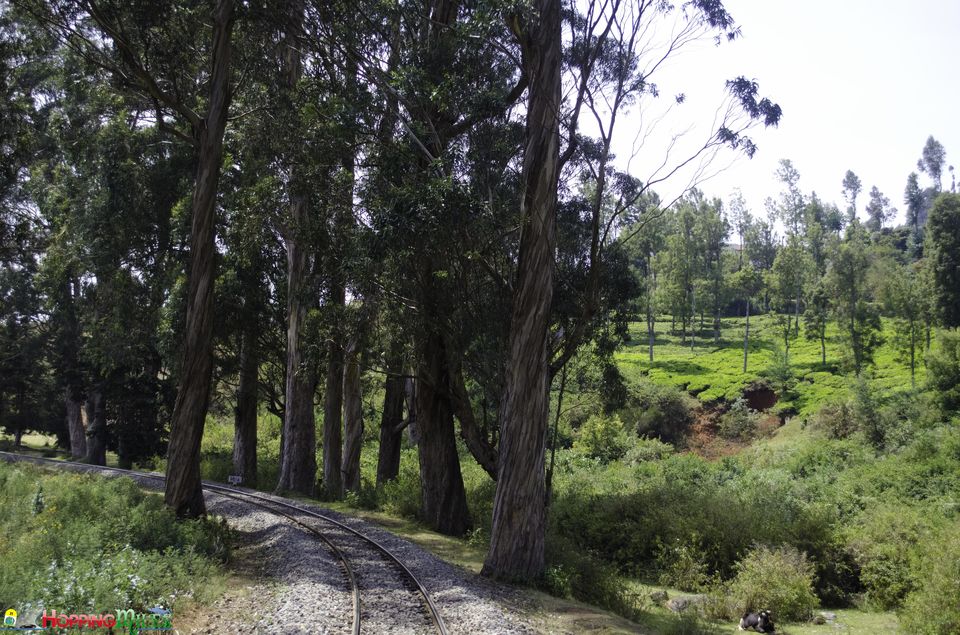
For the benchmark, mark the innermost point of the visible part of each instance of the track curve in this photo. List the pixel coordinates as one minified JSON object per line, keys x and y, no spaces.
{"x":274,"y":504}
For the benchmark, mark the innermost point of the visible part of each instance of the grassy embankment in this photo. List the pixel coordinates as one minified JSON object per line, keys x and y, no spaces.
{"x":84,"y":544}
{"x":659,"y":518}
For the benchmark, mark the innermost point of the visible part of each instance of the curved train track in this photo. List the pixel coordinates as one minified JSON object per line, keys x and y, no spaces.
{"x":285,"y":509}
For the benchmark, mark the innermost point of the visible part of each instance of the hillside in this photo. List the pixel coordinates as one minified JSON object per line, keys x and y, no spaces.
{"x":714,"y":371}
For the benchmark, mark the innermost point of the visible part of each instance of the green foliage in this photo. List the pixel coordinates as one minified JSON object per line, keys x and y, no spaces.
{"x":943,"y":249}
{"x":780,"y":579}
{"x":884,"y":542}
{"x":934,"y":607}
{"x":603,"y":438}
{"x":716,"y":373}
{"x":854,"y":308}
{"x":943,"y":370}
{"x":683,"y":565}
{"x":739,"y":422}
{"x":647,"y":450}
{"x":96,"y":544}
{"x":574,"y":572}
{"x":402,"y":495}
{"x":866,"y":411}
{"x":836,"y":419}
{"x":721,"y":509}
{"x":658,"y":411}
{"x":780,"y":373}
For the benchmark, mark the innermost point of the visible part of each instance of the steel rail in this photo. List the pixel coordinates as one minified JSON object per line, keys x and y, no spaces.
{"x":268,"y":502}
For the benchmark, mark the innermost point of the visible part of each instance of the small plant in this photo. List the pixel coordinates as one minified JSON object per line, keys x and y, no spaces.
{"x":739,"y":422}
{"x":780,"y":373}
{"x":647,"y":450}
{"x":780,"y":579}
{"x":603,"y":438}
{"x":683,"y":566}
{"x":934,"y":607}
{"x":38,"y":503}
{"x":866,"y":411}
{"x":836,"y":420}
{"x":884,"y":545}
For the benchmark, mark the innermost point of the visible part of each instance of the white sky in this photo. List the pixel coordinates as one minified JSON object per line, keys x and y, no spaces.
{"x":862,"y":85}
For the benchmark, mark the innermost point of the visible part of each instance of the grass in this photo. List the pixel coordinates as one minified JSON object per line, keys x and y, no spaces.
{"x":710,"y":371}
{"x":81,"y":543}
{"x":714,"y":371}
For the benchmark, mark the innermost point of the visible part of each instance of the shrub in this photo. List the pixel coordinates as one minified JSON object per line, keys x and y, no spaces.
{"x":647,"y":450}
{"x":943,"y":370}
{"x":779,"y":373}
{"x":573,"y":572}
{"x":683,"y":565}
{"x":883,"y":542}
{"x":780,"y":579}
{"x":402,"y":495}
{"x":603,"y":438}
{"x":91,"y":543}
{"x":866,"y":411}
{"x":934,"y":607}
{"x":739,"y":422}
{"x":660,"y":411}
{"x":836,"y":419}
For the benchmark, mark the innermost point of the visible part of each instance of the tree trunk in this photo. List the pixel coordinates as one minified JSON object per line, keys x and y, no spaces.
{"x":333,"y":458}
{"x":332,"y":421}
{"x":96,"y":412}
{"x":183,"y":492}
{"x":444,"y":505}
{"x":796,"y":332}
{"x":78,"y":436}
{"x":746,"y":337}
{"x":391,"y":423}
{"x":245,"y":422}
{"x":716,"y":328}
{"x":410,"y":397}
{"x":298,"y":461}
{"x":553,"y":440}
{"x":474,"y":436}
{"x":353,"y":418}
{"x":519,"y":513}
{"x":913,"y":347}
{"x":651,"y":326}
{"x":823,"y":345}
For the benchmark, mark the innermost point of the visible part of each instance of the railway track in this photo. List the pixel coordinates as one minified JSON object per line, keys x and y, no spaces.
{"x":347,"y":545}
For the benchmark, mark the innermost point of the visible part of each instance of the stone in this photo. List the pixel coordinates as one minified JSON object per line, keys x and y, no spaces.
{"x":659,"y":597}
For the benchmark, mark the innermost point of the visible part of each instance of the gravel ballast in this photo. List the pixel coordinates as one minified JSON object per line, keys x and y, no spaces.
{"x":293,"y":583}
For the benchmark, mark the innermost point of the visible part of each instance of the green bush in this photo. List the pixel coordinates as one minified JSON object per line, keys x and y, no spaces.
{"x":835,"y":419}
{"x":647,"y":450}
{"x":867,"y":413}
{"x":402,"y":495}
{"x":739,"y":422}
{"x":725,"y":507}
{"x":660,"y":411}
{"x":574,"y":572}
{"x":683,"y":565}
{"x":934,"y":607}
{"x":603,"y":438}
{"x":779,"y":579}
{"x":883,"y":542}
{"x":90,"y":543}
{"x":943,"y":370}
